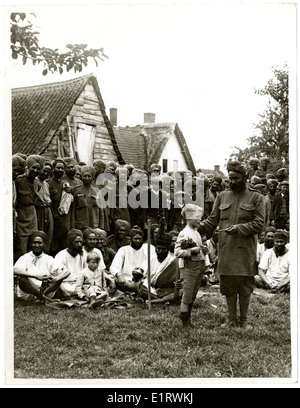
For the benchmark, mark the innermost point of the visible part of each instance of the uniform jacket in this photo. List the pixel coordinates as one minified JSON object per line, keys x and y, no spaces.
{"x":237,"y":253}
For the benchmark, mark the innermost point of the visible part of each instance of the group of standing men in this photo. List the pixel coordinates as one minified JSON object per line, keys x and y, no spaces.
{"x":60,"y":199}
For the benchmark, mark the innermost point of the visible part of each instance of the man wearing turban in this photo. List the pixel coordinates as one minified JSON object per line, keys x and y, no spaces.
{"x":26,"y":188}
{"x":39,"y":275}
{"x":63,"y":222}
{"x":274,"y":267}
{"x":239,"y":212}
{"x":106,"y":250}
{"x":86,"y":210}
{"x":128,"y":258}
{"x":70,"y":172}
{"x":72,"y":260}
{"x":280,"y":206}
{"x":121,"y":236}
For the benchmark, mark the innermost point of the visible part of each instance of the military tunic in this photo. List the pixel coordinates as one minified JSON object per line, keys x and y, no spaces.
{"x":237,"y":253}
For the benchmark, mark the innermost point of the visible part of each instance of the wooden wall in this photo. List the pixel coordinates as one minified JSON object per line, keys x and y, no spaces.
{"x":86,"y":109}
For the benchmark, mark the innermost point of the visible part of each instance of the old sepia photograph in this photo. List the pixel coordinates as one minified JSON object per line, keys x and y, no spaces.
{"x":149,"y":224}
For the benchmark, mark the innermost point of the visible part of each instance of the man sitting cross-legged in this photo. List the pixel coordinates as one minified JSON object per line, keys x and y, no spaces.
{"x":40,"y":275}
{"x":127,"y":259}
{"x":163,"y":268}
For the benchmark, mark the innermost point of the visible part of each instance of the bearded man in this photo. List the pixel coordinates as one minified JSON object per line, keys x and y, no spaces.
{"x":239,"y":212}
{"x":128,"y":258}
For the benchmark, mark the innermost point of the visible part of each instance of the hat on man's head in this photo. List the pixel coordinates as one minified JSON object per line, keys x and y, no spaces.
{"x":272,"y":181}
{"x":270,"y":176}
{"x":284,"y":183}
{"x":265,"y":159}
{"x":87,"y":232}
{"x":236,"y":167}
{"x":155,"y":166}
{"x":99,"y":165}
{"x":136,"y":230}
{"x":72,"y":235}
{"x":122,"y":223}
{"x":270,"y":229}
{"x":253,"y":160}
{"x":58,"y":160}
{"x":35,"y":158}
{"x":100,"y":232}
{"x":18,"y":161}
{"x":88,"y":169}
{"x":281,"y":234}
{"x":40,"y":234}
{"x":69,"y":160}
{"x":255,"y":180}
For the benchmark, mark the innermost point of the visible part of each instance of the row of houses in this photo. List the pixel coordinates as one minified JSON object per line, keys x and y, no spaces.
{"x":69,"y":118}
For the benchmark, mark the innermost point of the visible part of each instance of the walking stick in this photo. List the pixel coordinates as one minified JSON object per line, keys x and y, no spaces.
{"x":177,"y":277}
{"x":149,"y":260}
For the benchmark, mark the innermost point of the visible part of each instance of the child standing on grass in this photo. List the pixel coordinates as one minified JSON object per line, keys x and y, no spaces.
{"x":188,"y":248}
{"x":91,"y":283}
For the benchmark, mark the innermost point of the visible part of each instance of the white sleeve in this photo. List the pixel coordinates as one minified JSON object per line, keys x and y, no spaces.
{"x":265,"y":260}
{"x":118,"y":261}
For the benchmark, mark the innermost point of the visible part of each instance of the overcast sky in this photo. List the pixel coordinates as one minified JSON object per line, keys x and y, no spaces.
{"x":197,"y":64}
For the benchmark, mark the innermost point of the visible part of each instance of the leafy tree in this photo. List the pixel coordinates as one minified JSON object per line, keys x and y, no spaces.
{"x":25,"y":44}
{"x":271,"y":133}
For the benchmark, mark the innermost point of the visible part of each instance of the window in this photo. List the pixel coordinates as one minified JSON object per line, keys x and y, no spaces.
{"x":165,"y":165}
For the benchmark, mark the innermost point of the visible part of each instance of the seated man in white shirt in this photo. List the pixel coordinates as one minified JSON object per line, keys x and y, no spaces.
{"x":163,"y":273}
{"x":127,"y":259}
{"x":273,"y":269}
{"x":267,"y":244}
{"x":40,"y":275}
{"x":73,"y":262}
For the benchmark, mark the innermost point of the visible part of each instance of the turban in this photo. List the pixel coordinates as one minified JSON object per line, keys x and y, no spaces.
{"x":191,"y":211}
{"x":122,"y":223}
{"x":155,"y":166}
{"x":236,"y":167}
{"x":254,"y":160}
{"x":22,"y":155}
{"x":259,"y":186}
{"x":153,"y":227}
{"x":72,"y":235}
{"x":281,"y":234}
{"x":35,"y":158}
{"x":100,"y":232}
{"x":285,"y":183}
{"x":58,"y":160}
{"x":136,"y":230}
{"x":88,"y":169}
{"x":48,"y":163}
{"x":18,"y":161}
{"x":270,"y":176}
{"x":164,"y":239}
{"x":255,"y":180}
{"x":282,"y":171}
{"x":40,"y":234}
{"x":265,"y":159}
{"x":99,"y":165}
{"x":218,"y":179}
{"x":69,"y":160}
{"x":270,"y":229}
{"x":87,"y":232}
{"x":272,"y":181}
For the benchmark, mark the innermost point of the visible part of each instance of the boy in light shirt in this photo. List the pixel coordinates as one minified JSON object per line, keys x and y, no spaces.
{"x":188,"y":248}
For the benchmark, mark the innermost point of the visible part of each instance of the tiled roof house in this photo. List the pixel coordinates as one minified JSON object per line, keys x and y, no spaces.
{"x":151,"y":142}
{"x":63,"y":119}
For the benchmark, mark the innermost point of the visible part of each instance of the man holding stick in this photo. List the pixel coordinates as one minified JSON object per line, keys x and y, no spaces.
{"x":239,"y":212}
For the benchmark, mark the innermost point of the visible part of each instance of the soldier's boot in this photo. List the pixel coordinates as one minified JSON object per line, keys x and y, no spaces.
{"x":231,"y":305}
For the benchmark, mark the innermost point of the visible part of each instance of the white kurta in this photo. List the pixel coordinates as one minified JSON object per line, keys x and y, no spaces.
{"x":127,"y":259}
{"x":277,"y":268}
{"x":33,"y":264}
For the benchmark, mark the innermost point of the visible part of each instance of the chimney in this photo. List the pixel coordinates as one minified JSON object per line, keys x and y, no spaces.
{"x":217,"y":168}
{"x":113,"y":113}
{"x":149,"y":117}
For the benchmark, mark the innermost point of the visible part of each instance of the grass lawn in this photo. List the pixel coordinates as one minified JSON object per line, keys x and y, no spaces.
{"x":138,"y":344}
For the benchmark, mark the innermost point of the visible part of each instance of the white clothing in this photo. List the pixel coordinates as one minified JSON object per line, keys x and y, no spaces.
{"x":73,"y":264}
{"x":277,"y":268}
{"x":97,"y":251}
{"x":260,"y":251}
{"x":90,"y":283}
{"x":33,"y":264}
{"x":127,"y":259}
{"x":188,"y":233}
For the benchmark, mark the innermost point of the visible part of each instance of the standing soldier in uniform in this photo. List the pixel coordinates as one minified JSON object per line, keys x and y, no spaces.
{"x":239,"y":212}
